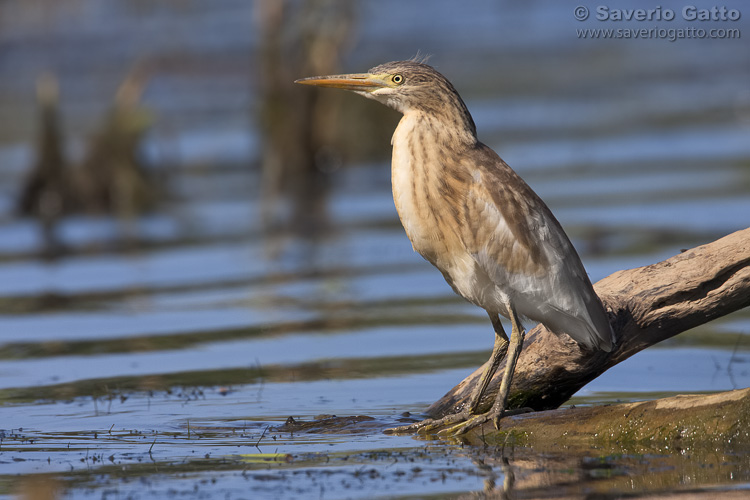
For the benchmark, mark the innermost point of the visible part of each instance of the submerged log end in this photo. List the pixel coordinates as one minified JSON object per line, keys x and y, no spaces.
{"x":665,"y":425}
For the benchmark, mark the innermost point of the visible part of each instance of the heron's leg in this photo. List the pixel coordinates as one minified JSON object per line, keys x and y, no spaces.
{"x":498,"y":353}
{"x":498,"y":408}
{"x":516,"y":344}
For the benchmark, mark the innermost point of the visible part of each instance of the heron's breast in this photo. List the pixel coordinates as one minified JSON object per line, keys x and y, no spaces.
{"x":427,"y":203}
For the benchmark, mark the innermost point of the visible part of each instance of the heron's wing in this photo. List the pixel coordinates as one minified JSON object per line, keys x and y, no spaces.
{"x":508,"y":224}
{"x":520,"y":245}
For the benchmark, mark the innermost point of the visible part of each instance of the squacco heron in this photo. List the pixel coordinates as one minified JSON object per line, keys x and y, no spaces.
{"x":471,"y":216}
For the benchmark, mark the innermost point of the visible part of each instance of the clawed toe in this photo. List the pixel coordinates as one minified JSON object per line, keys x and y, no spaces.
{"x":450,"y":425}
{"x":469,"y":424}
{"x":429,"y":426}
{"x":457,"y":423}
{"x":408,"y":429}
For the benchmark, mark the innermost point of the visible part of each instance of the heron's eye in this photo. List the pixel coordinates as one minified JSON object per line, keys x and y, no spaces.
{"x":397,"y":79}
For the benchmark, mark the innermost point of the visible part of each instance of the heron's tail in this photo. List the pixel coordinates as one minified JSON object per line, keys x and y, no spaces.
{"x":590,"y":327}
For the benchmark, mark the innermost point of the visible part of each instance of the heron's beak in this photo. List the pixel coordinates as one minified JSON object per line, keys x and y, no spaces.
{"x":358,"y":82}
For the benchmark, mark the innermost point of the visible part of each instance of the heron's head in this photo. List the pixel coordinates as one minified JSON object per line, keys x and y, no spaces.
{"x":404,"y":86}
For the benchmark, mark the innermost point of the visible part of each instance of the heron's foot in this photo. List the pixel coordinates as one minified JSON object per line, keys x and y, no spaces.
{"x":475,"y":421}
{"x":471,"y":423}
{"x":429,"y":425}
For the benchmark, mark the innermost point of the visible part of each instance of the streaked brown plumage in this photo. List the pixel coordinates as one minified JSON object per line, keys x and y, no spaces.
{"x":469,"y":214}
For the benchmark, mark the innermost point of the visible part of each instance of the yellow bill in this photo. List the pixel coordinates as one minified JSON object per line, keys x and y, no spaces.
{"x":358,"y":82}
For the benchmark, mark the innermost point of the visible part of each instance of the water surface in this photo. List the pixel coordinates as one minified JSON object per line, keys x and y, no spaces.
{"x":156,"y":357}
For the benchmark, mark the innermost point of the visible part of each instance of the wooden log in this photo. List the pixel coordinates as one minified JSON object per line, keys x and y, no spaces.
{"x":645,"y":305}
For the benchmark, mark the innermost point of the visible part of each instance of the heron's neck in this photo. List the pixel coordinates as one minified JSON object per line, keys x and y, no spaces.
{"x":446,"y":131}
